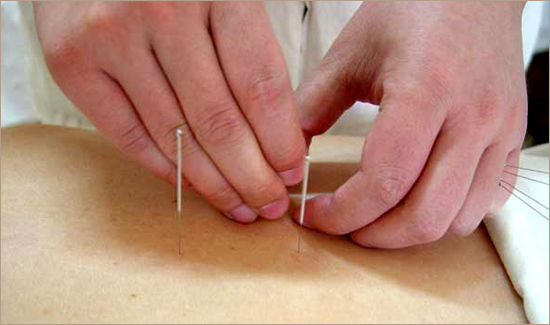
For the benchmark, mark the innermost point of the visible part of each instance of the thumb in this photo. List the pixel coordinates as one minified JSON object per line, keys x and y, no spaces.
{"x":321,"y":99}
{"x":348,"y":72}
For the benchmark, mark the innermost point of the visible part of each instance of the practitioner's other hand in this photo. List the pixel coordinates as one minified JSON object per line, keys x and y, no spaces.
{"x":449,"y":79}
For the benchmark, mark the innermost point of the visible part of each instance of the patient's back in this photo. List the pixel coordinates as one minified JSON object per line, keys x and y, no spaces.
{"x":88,"y":236}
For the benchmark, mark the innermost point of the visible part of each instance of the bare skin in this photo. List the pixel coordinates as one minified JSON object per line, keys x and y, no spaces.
{"x":140,"y":70}
{"x":449,"y":79}
{"x":95,"y":241}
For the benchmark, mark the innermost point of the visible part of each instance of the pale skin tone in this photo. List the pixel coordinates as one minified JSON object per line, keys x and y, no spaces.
{"x":448,"y":77}
{"x":140,"y":70}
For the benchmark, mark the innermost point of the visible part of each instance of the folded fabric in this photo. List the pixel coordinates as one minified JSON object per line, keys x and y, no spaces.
{"x":520,"y":235}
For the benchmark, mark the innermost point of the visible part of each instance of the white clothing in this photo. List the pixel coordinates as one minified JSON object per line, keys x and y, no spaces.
{"x":521,"y":237}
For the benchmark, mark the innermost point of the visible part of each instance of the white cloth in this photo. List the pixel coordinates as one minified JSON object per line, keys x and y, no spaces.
{"x":532,"y":24}
{"x":16,"y":99}
{"x":542,"y":41}
{"x":521,"y":238}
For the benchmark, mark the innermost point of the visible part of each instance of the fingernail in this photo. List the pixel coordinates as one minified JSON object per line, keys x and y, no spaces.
{"x":243,"y":214}
{"x":291,"y":176}
{"x":275,"y":209}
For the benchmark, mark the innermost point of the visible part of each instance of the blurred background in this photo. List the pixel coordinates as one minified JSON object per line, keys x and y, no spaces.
{"x":17,"y":97}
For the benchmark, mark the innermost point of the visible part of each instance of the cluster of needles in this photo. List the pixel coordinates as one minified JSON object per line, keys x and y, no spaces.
{"x":511,"y":189}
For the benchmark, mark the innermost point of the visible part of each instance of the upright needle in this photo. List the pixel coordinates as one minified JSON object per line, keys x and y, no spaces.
{"x":179,"y":187}
{"x":303,"y":203}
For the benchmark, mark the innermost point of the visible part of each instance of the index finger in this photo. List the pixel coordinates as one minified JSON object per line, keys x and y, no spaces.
{"x":192,"y":67}
{"x":394,"y":155}
{"x":258,"y":77}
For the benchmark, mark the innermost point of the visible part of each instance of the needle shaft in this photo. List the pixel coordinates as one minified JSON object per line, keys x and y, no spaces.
{"x":522,"y":200}
{"x":525,"y":177}
{"x":525,"y":194}
{"x":303,"y":203}
{"x":528,"y":169}
{"x":179,"y":188}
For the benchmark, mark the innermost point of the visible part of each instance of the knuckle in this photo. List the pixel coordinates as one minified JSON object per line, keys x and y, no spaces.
{"x":428,"y":89}
{"x":100,"y":18}
{"x":487,"y":117}
{"x":167,"y":14}
{"x":220,"y":125}
{"x":160,"y":10}
{"x":188,"y":141}
{"x":436,"y":87}
{"x":490,"y":106}
{"x":169,"y":143}
{"x":262,"y":188}
{"x":61,"y":56}
{"x":295,"y":153}
{"x":266,"y":89}
{"x":427,"y":228}
{"x":222,"y":196}
{"x":134,"y":139}
{"x":392,"y":184}
{"x":289,"y":155}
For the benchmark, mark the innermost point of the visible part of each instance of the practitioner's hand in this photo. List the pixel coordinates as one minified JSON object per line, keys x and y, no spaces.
{"x":140,"y":70}
{"x":449,"y":79}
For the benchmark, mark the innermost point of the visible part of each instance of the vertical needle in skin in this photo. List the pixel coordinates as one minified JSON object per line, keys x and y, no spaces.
{"x":303,"y":203}
{"x":179,"y":187}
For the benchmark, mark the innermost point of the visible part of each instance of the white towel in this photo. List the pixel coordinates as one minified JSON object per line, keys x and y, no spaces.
{"x":520,"y":236}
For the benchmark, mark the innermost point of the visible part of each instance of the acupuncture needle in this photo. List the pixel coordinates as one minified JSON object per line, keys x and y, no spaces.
{"x":525,"y":177}
{"x":513,"y":189}
{"x":522,"y":200}
{"x":525,"y":194}
{"x":303,"y":203}
{"x":179,"y":187}
{"x":528,"y":169}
